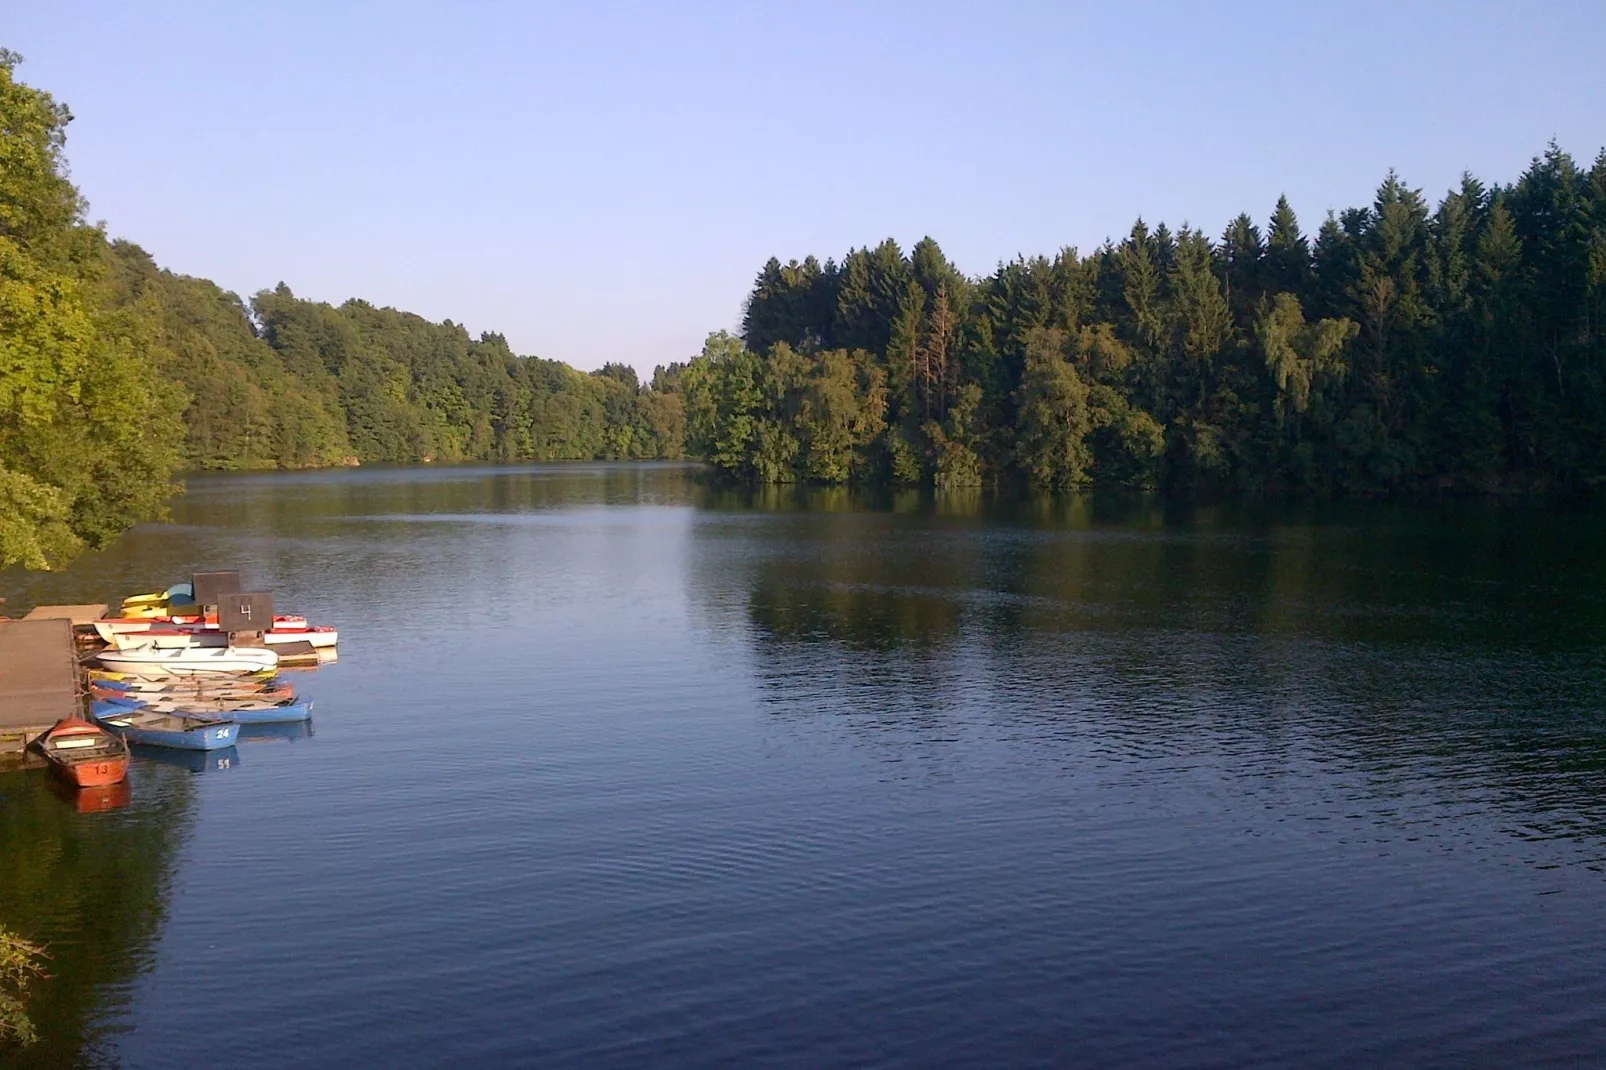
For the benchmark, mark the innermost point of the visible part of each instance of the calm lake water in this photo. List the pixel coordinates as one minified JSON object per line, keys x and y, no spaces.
{"x":618,"y":770}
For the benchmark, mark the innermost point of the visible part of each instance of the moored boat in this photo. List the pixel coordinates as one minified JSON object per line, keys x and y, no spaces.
{"x":186,"y":637}
{"x":167,"y":729}
{"x":240,"y":711}
{"x":176,"y":599}
{"x":84,"y":753}
{"x":155,"y":681}
{"x":190,"y":660}
{"x":109,"y":626}
{"x":283,"y":713}
{"x":201,"y":688}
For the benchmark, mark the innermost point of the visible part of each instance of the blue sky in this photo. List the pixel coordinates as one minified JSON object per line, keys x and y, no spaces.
{"x":602,"y":181}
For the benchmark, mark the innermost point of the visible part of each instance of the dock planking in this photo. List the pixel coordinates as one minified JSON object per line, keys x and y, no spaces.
{"x":38,"y":679}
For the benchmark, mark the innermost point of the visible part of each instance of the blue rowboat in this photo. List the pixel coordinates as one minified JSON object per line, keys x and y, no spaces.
{"x":288,"y":713}
{"x":242,"y":712}
{"x":227,"y":687}
{"x":165,"y":729}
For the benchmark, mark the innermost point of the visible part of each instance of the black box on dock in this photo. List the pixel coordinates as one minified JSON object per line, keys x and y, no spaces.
{"x":212,"y":587}
{"x":245,"y":612}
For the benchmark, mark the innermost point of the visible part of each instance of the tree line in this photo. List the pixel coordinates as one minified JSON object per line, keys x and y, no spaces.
{"x":1405,"y":347}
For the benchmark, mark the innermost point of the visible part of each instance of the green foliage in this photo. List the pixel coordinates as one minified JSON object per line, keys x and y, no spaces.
{"x":1299,"y":356}
{"x":791,"y":417}
{"x":39,"y":207}
{"x":246,"y":409}
{"x":19,"y":965}
{"x":1054,"y":418}
{"x":114,"y":373}
{"x":34,"y":528}
{"x":87,"y":431}
{"x":1407,"y":347}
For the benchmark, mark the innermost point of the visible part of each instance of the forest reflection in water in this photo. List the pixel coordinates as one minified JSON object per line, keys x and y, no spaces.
{"x":1418,"y":657}
{"x":87,"y":874}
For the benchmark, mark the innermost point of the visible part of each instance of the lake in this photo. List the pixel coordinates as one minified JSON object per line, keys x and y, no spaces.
{"x":619,"y":769}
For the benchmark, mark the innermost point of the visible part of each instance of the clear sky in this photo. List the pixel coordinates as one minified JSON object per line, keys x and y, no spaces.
{"x":602,"y":181}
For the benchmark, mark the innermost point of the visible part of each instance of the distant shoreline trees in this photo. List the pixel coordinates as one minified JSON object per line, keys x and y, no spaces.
{"x":1406,"y":348}
{"x":116,"y":374}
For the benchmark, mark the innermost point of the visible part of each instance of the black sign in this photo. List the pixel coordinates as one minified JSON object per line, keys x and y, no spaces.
{"x":212,"y":587}
{"x":245,"y":612}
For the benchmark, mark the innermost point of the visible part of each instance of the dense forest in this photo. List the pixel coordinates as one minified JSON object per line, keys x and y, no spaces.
{"x":116,"y":374}
{"x":1405,"y":347}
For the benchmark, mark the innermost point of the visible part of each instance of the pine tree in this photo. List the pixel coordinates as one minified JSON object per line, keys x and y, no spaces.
{"x":1288,"y":257}
{"x":1241,"y":254}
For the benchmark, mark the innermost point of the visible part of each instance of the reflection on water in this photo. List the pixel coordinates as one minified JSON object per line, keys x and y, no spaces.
{"x":196,"y":761}
{"x":1406,"y":651}
{"x":620,"y":768}
{"x":276,"y":732}
{"x":86,"y":873}
{"x":94,"y":800}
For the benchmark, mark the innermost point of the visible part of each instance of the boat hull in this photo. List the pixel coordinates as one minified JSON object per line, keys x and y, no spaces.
{"x":201,"y":692}
{"x":118,"y":625}
{"x":190,"y":661}
{"x":286,"y":714}
{"x":85,"y":754}
{"x":100,"y":773}
{"x":240,"y":713}
{"x":187,"y":638}
{"x":166,"y":729}
{"x":210,"y":737}
{"x":133,"y":682}
{"x":118,"y":631}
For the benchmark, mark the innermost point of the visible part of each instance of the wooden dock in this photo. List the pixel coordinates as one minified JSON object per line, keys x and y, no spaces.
{"x":38,"y":678}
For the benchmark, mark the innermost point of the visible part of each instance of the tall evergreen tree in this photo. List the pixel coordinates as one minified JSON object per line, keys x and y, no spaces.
{"x":1288,"y":256}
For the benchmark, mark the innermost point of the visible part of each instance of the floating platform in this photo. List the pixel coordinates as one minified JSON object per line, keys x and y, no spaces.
{"x":38,"y":679}
{"x":78,"y":615}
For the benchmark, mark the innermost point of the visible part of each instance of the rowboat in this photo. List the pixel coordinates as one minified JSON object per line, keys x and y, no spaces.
{"x":166,"y":729}
{"x":186,"y":622}
{"x":202,"y":690}
{"x":116,"y":681}
{"x":84,"y":753}
{"x":187,"y":637}
{"x":240,"y":711}
{"x":283,"y":713}
{"x":162,"y":681}
{"x":190,"y":660}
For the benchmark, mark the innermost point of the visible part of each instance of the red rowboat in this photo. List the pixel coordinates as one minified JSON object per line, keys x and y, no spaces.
{"x":84,"y":753}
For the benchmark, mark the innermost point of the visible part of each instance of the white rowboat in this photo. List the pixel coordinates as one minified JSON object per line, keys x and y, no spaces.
{"x":184,"y":639}
{"x":150,"y":661}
